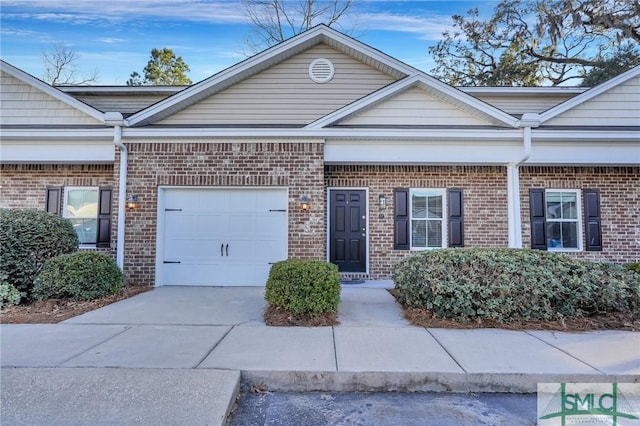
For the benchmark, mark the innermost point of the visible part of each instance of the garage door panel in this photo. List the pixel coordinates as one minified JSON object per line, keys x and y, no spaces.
{"x":204,"y":220}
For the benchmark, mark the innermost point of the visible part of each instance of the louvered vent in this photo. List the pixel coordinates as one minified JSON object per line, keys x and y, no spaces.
{"x":321,"y":70}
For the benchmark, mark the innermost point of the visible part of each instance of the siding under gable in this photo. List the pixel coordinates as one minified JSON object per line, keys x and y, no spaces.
{"x":619,"y":106}
{"x":22,"y":104}
{"x":285,"y":94}
{"x":518,"y":105}
{"x":415,"y":107}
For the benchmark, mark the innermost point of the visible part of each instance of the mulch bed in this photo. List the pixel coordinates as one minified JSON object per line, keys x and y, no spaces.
{"x":55,"y":310}
{"x":279,"y":317}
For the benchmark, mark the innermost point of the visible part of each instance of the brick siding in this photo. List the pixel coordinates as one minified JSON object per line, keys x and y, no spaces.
{"x":297,"y":165}
{"x":619,"y":204}
{"x":485,"y":204}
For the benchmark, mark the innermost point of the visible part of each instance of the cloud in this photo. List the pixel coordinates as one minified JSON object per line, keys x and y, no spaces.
{"x":111,"y":40}
{"x":121,"y":11}
{"x":427,"y":27}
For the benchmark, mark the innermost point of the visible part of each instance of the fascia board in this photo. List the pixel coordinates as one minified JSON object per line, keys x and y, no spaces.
{"x":51,"y":91}
{"x":426,"y":82}
{"x":585,"y":135}
{"x":56,"y":134}
{"x":325,"y":133}
{"x":589,"y":94}
{"x":269,"y":57}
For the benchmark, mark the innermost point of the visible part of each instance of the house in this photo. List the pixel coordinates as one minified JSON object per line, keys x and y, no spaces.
{"x":324,"y":148}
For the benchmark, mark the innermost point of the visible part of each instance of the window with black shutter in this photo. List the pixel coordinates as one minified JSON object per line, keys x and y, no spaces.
{"x":53,"y":200}
{"x":420,"y":215}
{"x":556,"y":219}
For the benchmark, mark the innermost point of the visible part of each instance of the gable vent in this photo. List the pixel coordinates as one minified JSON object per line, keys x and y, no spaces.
{"x":321,"y":70}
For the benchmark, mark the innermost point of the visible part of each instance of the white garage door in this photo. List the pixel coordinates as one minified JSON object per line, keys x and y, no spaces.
{"x":221,"y":237}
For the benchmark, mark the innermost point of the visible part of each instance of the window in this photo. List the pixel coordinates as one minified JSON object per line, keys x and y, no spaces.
{"x":81,"y":208}
{"x":427,"y":214}
{"x":563,"y":222}
{"x":88,"y":208}
{"x":423,"y":218}
{"x":557,"y":219}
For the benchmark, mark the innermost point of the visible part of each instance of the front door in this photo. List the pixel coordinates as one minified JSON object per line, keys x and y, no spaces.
{"x":348,"y":229}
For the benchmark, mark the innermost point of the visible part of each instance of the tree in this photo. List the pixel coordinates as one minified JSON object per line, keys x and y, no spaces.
{"x":60,"y":68}
{"x":277,"y":20}
{"x":163,"y":69}
{"x":534,"y":42}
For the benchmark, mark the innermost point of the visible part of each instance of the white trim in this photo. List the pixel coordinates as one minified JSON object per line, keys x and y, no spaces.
{"x":327,"y":133}
{"x":449,"y":94}
{"x":30,"y":133}
{"x":349,"y":188}
{"x":444,"y":219}
{"x":65,"y":205}
{"x":589,"y":94}
{"x":56,"y":152}
{"x":50,"y":90}
{"x":578,"y":220}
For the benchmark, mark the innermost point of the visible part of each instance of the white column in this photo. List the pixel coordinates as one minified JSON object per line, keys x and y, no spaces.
{"x":513,"y":206}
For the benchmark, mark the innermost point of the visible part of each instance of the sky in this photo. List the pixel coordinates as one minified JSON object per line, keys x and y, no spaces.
{"x":114,"y":37}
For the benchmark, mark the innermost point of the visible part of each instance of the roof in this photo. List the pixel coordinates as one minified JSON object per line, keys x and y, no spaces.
{"x":50,"y":90}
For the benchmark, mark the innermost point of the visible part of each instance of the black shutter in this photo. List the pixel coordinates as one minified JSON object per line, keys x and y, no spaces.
{"x":401,"y":219}
{"x":53,"y":200}
{"x":538,"y":219}
{"x":456,"y":218}
{"x":104,"y":217}
{"x":593,"y":234}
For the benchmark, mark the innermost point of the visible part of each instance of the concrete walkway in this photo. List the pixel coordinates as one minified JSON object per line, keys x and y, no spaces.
{"x":178,"y":356}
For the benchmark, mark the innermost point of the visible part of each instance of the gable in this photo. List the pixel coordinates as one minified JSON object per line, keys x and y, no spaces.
{"x":284,"y":94}
{"x":618,"y":106}
{"x":415,"y":107}
{"x":24,"y":104}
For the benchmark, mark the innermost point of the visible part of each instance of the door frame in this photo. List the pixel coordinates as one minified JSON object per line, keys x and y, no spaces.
{"x":160,"y":222}
{"x":366,"y":195}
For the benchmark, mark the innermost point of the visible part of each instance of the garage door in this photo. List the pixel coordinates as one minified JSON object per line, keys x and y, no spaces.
{"x":221,"y":237}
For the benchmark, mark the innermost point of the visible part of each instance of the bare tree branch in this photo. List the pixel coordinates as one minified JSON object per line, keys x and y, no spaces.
{"x":60,"y":68}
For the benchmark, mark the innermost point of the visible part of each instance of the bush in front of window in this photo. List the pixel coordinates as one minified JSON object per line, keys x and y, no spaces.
{"x":82,"y":275}
{"x":310,"y":287}
{"x":28,"y":238}
{"x":510,"y":285}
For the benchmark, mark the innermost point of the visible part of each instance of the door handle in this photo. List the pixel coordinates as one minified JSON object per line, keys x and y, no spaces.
{"x":222,"y":249}
{"x":227,"y":249}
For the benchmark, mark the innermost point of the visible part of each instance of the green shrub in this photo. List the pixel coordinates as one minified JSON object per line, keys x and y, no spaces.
{"x":82,"y":275}
{"x":8,"y":293}
{"x":633,"y":266}
{"x":511,"y":285}
{"x":28,"y":238}
{"x":309,"y":287}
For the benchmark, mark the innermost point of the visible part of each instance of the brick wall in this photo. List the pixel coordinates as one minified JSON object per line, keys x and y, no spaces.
{"x":619,"y":204}
{"x":297,"y":165}
{"x":23,"y":186}
{"x":485,"y":203}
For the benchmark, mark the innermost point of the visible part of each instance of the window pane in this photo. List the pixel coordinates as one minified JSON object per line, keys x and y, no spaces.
{"x":435,"y":206}
{"x":569,"y":234}
{"x":418,"y":206}
{"x":554,"y":239}
{"x":82,"y":203}
{"x":87,"y":230}
{"x":554,"y":203}
{"x":435,"y":233}
{"x":569,"y":202}
{"x":418,"y":233}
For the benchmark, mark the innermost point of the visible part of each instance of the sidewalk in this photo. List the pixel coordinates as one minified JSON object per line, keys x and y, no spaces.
{"x":173,"y":344}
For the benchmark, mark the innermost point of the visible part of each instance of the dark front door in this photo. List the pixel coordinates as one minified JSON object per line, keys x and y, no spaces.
{"x":348,"y":229}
